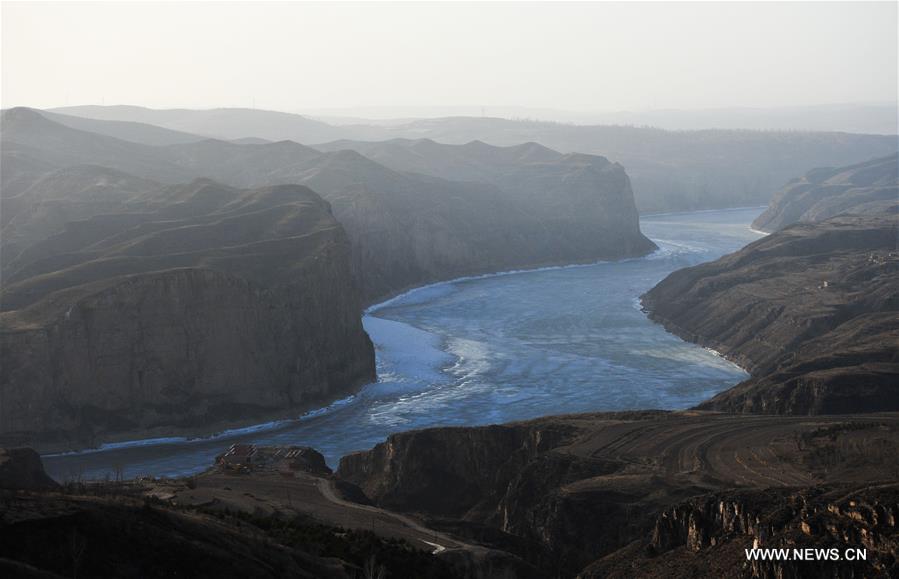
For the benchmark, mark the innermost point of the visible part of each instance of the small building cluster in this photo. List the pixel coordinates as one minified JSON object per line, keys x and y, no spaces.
{"x":249,"y":458}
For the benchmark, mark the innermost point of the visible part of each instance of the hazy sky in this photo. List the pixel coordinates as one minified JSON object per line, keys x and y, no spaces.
{"x":596,"y":56}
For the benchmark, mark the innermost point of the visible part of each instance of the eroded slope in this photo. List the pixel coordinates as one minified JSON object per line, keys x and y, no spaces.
{"x":811,"y":311}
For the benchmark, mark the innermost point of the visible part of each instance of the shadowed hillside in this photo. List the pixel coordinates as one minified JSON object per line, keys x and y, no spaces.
{"x":645,"y":494}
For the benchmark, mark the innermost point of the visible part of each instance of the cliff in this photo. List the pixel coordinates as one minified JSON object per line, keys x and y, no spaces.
{"x":220,"y":306}
{"x":597,"y":493}
{"x":869,"y":188}
{"x":480,"y":209}
{"x":811,"y":311}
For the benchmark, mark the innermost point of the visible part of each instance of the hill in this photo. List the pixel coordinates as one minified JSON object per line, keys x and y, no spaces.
{"x":406,"y":228}
{"x":221,"y":123}
{"x":143,"y":133}
{"x":672,"y":170}
{"x":812,"y":312}
{"x":869,"y":188}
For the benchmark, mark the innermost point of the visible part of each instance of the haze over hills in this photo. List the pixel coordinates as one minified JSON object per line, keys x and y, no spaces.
{"x":136,"y":132}
{"x":406,"y":228}
{"x":670,"y":170}
{"x":225,"y":123}
{"x":472,"y":161}
{"x":31,"y":140}
{"x":869,"y":188}
{"x":673,"y":170}
{"x":61,"y":196}
{"x":873,"y":118}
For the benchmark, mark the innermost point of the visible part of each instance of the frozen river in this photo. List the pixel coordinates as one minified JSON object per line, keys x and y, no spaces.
{"x":495,"y":349}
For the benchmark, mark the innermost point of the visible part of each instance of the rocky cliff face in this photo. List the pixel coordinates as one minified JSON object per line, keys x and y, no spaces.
{"x":448,"y":471}
{"x":869,"y":188}
{"x":710,"y":534}
{"x":812,"y":312}
{"x":505,"y":486}
{"x":222,"y":306}
{"x":505,"y":208}
{"x":583,"y":213}
{"x":564,"y":492}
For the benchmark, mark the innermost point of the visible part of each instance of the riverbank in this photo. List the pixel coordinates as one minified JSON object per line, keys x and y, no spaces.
{"x":187,"y":435}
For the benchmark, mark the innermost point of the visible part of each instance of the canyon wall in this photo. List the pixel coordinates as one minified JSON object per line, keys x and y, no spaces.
{"x":812,"y":312}
{"x":198,"y":316}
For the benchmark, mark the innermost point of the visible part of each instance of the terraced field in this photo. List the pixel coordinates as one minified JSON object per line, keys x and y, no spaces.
{"x":719,"y":450}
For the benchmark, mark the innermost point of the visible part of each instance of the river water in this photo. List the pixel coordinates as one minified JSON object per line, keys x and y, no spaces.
{"x":492,"y":349}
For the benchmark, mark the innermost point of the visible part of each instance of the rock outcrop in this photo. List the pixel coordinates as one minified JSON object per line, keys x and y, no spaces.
{"x":22,"y":469}
{"x":710,"y":534}
{"x":811,"y":311}
{"x":473,"y":464}
{"x":869,"y":188}
{"x":218,"y":306}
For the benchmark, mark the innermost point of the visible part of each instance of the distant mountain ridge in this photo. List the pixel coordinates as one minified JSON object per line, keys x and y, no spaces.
{"x":671,"y":170}
{"x":144,"y":133}
{"x":510,"y":210}
{"x":472,"y":161}
{"x":221,"y":123}
{"x":868,"y":118}
{"x":28,"y":134}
